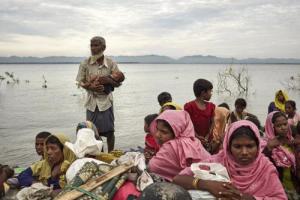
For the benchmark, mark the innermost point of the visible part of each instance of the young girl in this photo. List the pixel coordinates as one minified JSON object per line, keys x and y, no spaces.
{"x":201,"y":111}
{"x":290,"y":110}
{"x":179,"y":147}
{"x":252,"y":175}
{"x":151,"y":146}
{"x":279,"y":148}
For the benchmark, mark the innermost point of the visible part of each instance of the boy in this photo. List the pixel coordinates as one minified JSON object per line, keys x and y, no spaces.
{"x":39,"y":142}
{"x":165,"y":101}
{"x":239,"y":113}
{"x":201,"y":111}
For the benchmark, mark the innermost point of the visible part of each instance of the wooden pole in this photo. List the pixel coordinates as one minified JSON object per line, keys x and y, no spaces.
{"x":92,"y":184}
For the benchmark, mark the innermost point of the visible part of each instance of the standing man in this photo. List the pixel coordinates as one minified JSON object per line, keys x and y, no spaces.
{"x":99,"y":104}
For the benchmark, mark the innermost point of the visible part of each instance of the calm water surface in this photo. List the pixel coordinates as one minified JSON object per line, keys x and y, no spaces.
{"x":27,"y":108}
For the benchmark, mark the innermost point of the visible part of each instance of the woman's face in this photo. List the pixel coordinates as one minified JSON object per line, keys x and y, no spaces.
{"x":244,"y":150}
{"x":164,"y":133}
{"x":289,"y":109}
{"x":280,"y":97}
{"x":281,"y":126}
{"x":55,"y":154}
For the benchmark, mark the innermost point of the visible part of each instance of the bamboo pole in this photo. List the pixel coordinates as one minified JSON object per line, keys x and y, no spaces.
{"x":92,"y":184}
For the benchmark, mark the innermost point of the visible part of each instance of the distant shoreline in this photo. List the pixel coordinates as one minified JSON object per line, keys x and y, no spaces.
{"x":150,"y":59}
{"x":58,"y":63}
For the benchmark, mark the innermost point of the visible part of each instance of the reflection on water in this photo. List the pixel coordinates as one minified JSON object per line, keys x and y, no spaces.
{"x":27,"y":108}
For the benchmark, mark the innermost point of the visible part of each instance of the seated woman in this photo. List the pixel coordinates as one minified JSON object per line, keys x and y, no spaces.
{"x":279,"y":103}
{"x":252,"y":175}
{"x":51,"y":170}
{"x":279,"y":148}
{"x":179,"y":146}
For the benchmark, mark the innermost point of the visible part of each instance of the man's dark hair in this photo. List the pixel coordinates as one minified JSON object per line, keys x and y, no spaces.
{"x":240,"y":102}
{"x":164,"y":190}
{"x":224,"y":105}
{"x":43,"y":134}
{"x":163,"y":98}
{"x":201,"y":85}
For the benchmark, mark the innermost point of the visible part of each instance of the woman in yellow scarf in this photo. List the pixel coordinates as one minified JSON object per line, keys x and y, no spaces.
{"x":279,"y":103}
{"x":51,"y":170}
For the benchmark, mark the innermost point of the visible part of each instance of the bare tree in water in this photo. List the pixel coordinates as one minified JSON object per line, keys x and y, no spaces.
{"x":12,"y":78}
{"x":234,"y":82}
{"x":45,"y":82}
{"x":292,"y":83}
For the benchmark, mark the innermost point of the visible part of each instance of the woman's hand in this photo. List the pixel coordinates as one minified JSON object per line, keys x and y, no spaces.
{"x":216,"y":188}
{"x":234,"y":194}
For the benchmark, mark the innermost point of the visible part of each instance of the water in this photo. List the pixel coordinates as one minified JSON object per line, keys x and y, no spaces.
{"x":27,"y":108}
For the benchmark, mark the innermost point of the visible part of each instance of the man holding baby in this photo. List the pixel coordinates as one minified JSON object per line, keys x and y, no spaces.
{"x":98,"y":75}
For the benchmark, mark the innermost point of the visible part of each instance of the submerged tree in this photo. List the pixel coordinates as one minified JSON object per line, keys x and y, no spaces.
{"x":12,"y":78}
{"x":292,"y":83}
{"x":234,"y":82}
{"x":45,"y":82}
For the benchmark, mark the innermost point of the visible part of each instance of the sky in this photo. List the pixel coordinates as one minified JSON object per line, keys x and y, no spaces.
{"x":175,"y":28}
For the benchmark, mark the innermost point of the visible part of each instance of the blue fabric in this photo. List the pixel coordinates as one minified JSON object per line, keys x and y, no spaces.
{"x":54,"y":182}
{"x":25,"y":178}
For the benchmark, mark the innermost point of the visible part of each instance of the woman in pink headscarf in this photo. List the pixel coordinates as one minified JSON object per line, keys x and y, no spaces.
{"x":279,"y":148}
{"x":179,"y":147}
{"x":252,"y":175}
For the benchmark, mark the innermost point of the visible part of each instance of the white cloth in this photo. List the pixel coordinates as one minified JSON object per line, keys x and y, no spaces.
{"x":77,"y":165}
{"x":85,"y":144}
{"x":36,"y":191}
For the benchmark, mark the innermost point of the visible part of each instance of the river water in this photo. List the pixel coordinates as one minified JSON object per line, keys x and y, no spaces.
{"x":27,"y":108}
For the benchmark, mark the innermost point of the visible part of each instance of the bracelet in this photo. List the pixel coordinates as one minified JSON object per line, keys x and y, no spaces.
{"x":195,"y":183}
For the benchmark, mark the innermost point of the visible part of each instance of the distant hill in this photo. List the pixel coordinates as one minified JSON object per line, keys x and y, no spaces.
{"x":151,"y":59}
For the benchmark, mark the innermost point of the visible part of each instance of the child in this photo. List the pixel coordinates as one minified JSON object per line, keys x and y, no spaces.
{"x":201,"y":111}
{"x":151,"y":146}
{"x":163,"y":98}
{"x":290,"y":110}
{"x":116,"y":76}
{"x":239,"y":113}
{"x":221,"y":116}
{"x":166,"y":103}
{"x":279,"y":149}
{"x":40,"y":141}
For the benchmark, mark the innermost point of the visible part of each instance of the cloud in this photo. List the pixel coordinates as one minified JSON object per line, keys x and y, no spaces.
{"x":170,"y":27}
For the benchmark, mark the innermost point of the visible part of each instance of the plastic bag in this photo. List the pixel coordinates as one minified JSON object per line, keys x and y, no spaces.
{"x":208,"y":171}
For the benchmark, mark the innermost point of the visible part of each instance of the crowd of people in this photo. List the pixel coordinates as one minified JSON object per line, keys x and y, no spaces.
{"x":261,"y":162}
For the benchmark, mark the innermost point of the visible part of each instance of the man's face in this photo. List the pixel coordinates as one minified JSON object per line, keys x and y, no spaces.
{"x":96,"y":47}
{"x":39,"y":146}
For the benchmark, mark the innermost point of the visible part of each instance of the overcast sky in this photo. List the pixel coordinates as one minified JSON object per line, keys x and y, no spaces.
{"x":226,"y":28}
